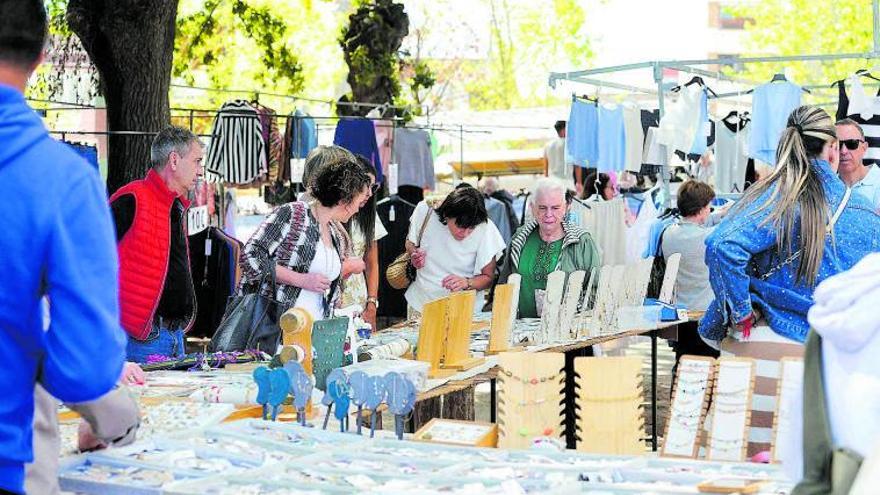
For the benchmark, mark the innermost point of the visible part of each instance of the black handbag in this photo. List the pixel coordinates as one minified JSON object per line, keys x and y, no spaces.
{"x":251,"y":319}
{"x":658,"y":268}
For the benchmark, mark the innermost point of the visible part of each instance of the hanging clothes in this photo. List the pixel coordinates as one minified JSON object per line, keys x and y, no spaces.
{"x":612,"y":139}
{"x":300,"y":136}
{"x":273,"y":139}
{"x":237,"y":152}
{"x":772,"y":103}
{"x":731,"y":156}
{"x":214,"y":263}
{"x":412,"y":154}
{"x":394,"y":214}
{"x":87,"y":151}
{"x":704,"y":127}
{"x":359,"y":136}
{"x":638,"y":233}
{"x":606,"y":222}
{"x":384,"y":140}
{"x":582,"y":134}
{"x":634,"y":137}
{"x":865,"y":110}
{"x":654,"y":153}
{"x":497,"y":212}
{"x":679,"y":126}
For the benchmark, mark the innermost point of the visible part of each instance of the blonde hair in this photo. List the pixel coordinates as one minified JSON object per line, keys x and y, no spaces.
{"x":796,"y":190}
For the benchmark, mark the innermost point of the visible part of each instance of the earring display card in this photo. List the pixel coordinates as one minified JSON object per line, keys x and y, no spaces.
{"x":731,"y":409}
{"x":530,"y":395}
{"x":455,"y":432}
{"x":791,"y":382}
{"x":690,"y":395}
{"x":609,"y":400}
{"x":328,"y":339}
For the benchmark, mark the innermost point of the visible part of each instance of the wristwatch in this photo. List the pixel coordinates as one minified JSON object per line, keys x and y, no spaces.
{"x":372,"y":300}
{"x":469,"y":284}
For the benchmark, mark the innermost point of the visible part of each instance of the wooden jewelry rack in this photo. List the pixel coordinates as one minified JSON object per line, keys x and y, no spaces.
{"x":445,"y":334}
{"x":609,"y":400}
{"x":791,"y":381}
{"x":678,"y":441}
{"x":735,"y":376}
{"x":504,"y":309}
{"x":530,"y":398}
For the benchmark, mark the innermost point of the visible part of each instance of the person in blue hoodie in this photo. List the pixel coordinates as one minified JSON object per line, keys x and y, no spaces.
{"x":57,"y":241}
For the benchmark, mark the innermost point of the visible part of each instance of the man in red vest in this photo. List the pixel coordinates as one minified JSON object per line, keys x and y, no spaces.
{"x":156,"y":292}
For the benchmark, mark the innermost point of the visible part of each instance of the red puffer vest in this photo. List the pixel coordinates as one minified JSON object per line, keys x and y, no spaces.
{"x":144,"y":252}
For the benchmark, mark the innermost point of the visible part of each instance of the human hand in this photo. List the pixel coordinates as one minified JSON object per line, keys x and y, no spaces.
{"x":834,"y":156}
{"x":86,"y":439}
{"x":454,"y":283}
{"x":353,"y":265}
{"x":418,"y":257}
{"x":369,"y":315}
{"x":132,"y":374}
{"x":315,"y":282}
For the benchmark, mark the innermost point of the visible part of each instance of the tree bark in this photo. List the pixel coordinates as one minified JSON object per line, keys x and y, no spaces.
{"x":131,"y":43}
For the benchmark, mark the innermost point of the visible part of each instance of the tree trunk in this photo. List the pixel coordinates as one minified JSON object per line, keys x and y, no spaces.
{"x":131,"y":43}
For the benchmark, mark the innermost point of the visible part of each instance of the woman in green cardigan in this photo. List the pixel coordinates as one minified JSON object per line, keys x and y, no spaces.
{"x":545,"y":244}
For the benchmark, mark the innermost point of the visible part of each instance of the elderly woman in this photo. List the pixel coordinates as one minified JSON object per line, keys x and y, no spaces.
{"x":304,"y":239}
{"x":458,"y":249}
{"x":545,"y":244}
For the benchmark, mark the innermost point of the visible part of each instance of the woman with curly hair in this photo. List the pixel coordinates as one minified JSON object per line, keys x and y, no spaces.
{"x":304,"y":239}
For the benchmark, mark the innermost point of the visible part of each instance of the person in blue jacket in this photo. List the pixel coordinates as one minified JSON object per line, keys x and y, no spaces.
{"x":789,"y":232}
{"x":57,"y":241}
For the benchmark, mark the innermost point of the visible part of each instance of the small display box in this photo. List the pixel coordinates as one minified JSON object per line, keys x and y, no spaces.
{"x":453,"y":432}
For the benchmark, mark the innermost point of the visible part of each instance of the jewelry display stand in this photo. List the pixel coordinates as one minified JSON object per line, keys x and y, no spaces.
{"x":551,"y":309}
{"x":328,"y":339}
{"x":791,"y":381}
{"x":584,"y":317}
{"x":530,"y":395}
{"x":460,"y":317}
{"x":504,"y":309}
{"x":731,"y":409}
{"x":667,"y":290}
{"x":296,"y":334}
{"x":609,"y":399}
{"x":457,"y":432}
{"x":690,"y":396}
{"x":432,"y":331}
{"x":570,"y":304}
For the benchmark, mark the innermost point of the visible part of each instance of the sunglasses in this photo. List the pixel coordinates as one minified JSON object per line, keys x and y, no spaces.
{"x":374,"y":187}
{"x":851,"y":144}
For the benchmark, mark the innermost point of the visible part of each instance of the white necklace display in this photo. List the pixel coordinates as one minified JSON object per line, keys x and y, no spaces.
{"x":731,"y":401}
{"x":692,"y":384}
{"x":791,"y":382}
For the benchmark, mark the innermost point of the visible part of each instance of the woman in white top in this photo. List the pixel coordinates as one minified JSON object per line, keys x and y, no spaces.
{"x":365,"y":229}
{"x":458,"y":249}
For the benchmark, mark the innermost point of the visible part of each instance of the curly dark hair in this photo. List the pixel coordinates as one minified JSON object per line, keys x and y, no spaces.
{"x":365,"y":218}
{"x":465,"y":206}
{"x":338,"y":181}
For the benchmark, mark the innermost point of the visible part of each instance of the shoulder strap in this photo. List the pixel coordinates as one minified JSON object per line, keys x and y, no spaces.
{"x":424,"y":224}
{"x":839,"y":211}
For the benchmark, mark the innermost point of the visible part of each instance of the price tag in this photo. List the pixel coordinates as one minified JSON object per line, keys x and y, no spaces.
{"x":297,"y":170}
{"x":392,"y":178}
{"x":391,"y":215}
{"x":208,"y":247}
{"x":197,"y":219}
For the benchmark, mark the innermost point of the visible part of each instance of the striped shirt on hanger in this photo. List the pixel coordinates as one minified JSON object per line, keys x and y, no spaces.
{"x":237,"y":153}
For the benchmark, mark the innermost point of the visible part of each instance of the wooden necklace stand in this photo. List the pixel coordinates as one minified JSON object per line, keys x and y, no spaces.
{"x":609,"y":399}
{"x":530,"y":397}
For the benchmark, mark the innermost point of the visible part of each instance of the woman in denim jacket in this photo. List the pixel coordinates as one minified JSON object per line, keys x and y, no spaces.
{"x":788,"y":233}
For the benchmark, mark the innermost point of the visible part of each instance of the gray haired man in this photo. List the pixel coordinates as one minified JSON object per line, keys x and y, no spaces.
{"x":156,"y":294}
{"x":861,"y":177}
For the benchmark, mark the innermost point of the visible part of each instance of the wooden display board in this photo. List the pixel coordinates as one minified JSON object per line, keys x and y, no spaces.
{"x":609,"y":400}
{"x":530,"y":396}
{"x":460,"y":317}
{"x":432,"y":331}
{"x":457,"y":432}
{"x":731,"y":409}
{"x":667,"y":289}
{"x":688,"y":407}
{"x":503,"y":315}
{"x":790,"y":383}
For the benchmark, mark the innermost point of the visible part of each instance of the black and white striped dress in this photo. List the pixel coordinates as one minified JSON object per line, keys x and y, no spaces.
{"x":871,"y":126}
{"x":237,"y":152}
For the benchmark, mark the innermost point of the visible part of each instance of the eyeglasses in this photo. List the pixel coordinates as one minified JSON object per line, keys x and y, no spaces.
{"x":851,"y":144}
{"x":374,"y":187}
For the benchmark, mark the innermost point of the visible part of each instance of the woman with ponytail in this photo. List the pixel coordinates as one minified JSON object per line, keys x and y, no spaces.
{"x":789,"y":232}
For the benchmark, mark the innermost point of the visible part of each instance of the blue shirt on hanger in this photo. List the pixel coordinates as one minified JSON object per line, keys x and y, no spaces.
{"x":305,"y":135}
{"x":582,"y":134}
{"x":772,"y":103}
{"x":612,"y":139}
{"x":359,"y":136}
{"x":700,"y":138}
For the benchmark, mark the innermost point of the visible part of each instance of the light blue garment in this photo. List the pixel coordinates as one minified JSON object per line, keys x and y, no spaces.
{"x":700,"y":138}
{"x":612,"y":139}
{"x":304,"y":137}
{"x":654,"y":235}
{"x":582,"y":134}
{"x":772,"y":103}
{"x":746,"y":267}
{"x":870,"y":187}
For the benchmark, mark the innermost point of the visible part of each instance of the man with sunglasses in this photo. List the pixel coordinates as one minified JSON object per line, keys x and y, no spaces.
{"x":862,"y":178}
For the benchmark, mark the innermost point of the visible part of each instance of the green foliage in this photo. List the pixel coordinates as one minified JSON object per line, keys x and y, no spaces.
{"x":799,"y":27}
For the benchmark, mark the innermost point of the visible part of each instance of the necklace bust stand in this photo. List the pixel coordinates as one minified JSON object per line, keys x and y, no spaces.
{"x":572,"y":300}
{"x":551,"y":309}
{"x":609,"y":399}
{"x":530,"y":396}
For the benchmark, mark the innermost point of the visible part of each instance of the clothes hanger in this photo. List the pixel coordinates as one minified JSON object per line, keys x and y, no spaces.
{"x":695,"y":80}
{"x":584,"y":97}
{"x":780,"y":77}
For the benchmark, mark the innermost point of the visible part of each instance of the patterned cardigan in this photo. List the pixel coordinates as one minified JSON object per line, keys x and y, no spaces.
{"x":290,"y":235}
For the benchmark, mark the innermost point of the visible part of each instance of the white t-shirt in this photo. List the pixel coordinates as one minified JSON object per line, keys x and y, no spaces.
{"x":356,"y":285}
{"x":327,"y":262}
{"x":447,"y":256}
